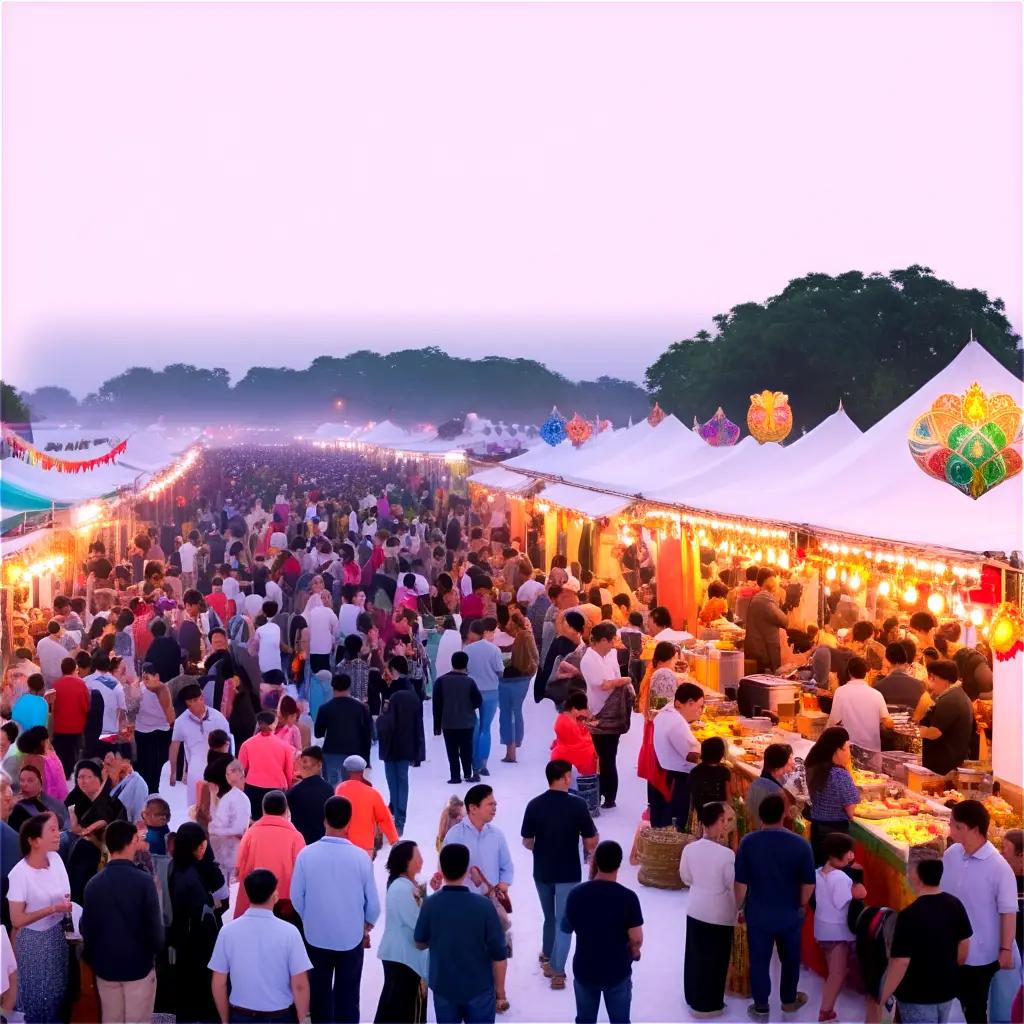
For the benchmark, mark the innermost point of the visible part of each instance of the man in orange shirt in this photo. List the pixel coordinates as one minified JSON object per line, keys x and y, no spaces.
{"x":273,"y":843}
{"x":369,"y":812}
{"x":269,"y":763}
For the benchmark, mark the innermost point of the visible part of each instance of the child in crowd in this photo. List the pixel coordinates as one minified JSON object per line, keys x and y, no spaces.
{"x":156,"y":815}
{"x":454,"y":811}
{"x":710,"y":780}
{"x":837,"y":884}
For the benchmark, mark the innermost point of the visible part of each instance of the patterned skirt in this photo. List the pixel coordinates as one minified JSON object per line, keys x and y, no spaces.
{"x":42,"y":974}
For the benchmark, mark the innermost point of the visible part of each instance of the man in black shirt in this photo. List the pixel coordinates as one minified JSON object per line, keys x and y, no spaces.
{"x":899,"y":687}
{"x":553,"y":825}
{"x":456,"y":700}
{"x":608,"y":923}
{"x":947,"y":728}
{"x":307,"y":797}
{"x":164,"y":653}
{"x":561,"y":647}
{"x":929,"y":945}
{"x":346,"y":728}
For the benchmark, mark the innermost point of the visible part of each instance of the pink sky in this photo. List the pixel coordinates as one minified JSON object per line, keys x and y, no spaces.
{"x":235,"y":184}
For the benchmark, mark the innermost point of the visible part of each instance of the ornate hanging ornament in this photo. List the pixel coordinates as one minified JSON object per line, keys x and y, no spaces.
{"x":578,"y":430}
{"x":769,"y":417}
{"x":971,"y":441}
{"x":600,"y":425}
{"x":21,"y":449}
{"x":719,"y":431}
{"x":552,"y":430}
{"x":657,"y":414}
{"x":1006,"y":632}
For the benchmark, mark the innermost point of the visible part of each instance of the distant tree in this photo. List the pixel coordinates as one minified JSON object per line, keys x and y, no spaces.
{"x":51,"y":403}
{"x":868,"y":340}
{"x":12,"y":408}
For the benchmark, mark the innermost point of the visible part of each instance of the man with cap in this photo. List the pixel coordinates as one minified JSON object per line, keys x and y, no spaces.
{"x":273,"y":986}
{"x":369,"y":811}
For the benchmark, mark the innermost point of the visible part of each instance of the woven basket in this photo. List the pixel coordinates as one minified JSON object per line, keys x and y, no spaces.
{"x":738,"y":980}
{"x":660,"y":851}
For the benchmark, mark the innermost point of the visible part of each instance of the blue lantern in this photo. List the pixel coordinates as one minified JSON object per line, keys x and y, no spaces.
{"x":552,"y":430}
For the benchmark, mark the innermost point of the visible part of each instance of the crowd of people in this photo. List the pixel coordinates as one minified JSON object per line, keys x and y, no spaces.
{"x":302,"y":617}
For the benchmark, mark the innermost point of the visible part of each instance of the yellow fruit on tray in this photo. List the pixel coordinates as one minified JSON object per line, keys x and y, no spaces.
{"x":916,"y":831}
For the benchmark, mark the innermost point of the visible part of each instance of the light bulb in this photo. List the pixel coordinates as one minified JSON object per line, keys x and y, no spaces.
{"x":936,"y":604}
{"x":854,"y":582}
{"x":910,"y":595}
{"x":783,"y":560}
{"x":884,"y":588}
{"x":830,"y":573}
{"x":977,"y":616}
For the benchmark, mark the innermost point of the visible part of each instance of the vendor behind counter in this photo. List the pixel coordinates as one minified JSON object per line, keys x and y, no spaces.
{"x":948,"y":730}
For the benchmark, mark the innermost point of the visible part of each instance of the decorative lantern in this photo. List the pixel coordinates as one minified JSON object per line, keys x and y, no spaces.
{"x":1006,"y":632}
{"x":656,"y":416}
{"x":769,"y":417}
{"x":600,"y":425}
{"x":578,"y":430}
{"x":552,"y":430}
{"x":719,"y":431}
{"x":971,"y":441}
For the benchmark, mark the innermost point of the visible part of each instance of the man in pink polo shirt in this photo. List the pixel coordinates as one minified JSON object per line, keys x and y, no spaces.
{"x":269,"y":763}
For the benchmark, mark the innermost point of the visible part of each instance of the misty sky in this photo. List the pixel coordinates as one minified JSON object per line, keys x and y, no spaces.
{"x":236,"y":184}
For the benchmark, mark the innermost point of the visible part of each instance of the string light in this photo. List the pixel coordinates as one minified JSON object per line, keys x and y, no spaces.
{"x":910,"y":595}
{"x":830,"y":573}
{"x":936,"y":603}
{"x":854,"y":581}
{"x":172,"y":476}
{"x":41,"y":568}
{"x":884,"y":588}
{"x":977,"y":616}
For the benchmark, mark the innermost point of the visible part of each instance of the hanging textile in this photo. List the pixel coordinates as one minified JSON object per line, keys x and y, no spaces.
{"x":671,"y":588}
{"x":573,"y":532}
{"x":550,"y":537}
{"x":586,"y":555}
{"x":22,"y":449}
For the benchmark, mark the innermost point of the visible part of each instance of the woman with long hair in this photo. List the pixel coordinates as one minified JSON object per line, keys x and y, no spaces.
{"x":830,"y":785}
{"x":39,"y":895}
{"x":522,"y":667}
{"x":403,"y":997}
{"x":194,"y":925}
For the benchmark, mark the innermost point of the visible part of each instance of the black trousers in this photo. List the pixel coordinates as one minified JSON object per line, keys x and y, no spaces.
{"x":459,"y":745}
{"x":972,"y":991}
{"x":68,"y":747}
{"x":334,"y":984}
{"x":676,"y":808}
{"x":400,"y":999}
{"x":607,"y":748}
{"x":706,"y":965}
{"x":319,"y":663}
{"x":151,"y":750}
{"x":256,"y":795}
{"x":820,"y":829}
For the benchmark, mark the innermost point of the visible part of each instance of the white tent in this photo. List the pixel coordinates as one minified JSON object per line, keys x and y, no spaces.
{"x":501,"y":479}
{"x":588,"y":503}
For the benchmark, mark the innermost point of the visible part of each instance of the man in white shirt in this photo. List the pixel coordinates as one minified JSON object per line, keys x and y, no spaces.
{"x":50,"y":652}
{"x":268,"y":642}
{"x":678,"y":751}
{"x":193,"y":727}
{"x":110,"y":689}
{"x":974,"y":872}
{"x":859,"y":708}
{"x":529,"y":592}
{"x":187,"y":553}
{"x":323,"y":631}
{"x":599,"y":667}
{"x":353,"y":600}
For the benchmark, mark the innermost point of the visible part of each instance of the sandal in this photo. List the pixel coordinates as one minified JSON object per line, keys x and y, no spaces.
{"x":558,"y":981}
{"x":827,"y":1015}
{"x":502,"y":1005}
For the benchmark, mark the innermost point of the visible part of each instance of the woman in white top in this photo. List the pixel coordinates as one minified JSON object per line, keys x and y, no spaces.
{"x":403,"y":997}
{"x":39,"y":894}
{"x":834,"y":889}
{"x":229,"y":820}
{"x":708,"y":868}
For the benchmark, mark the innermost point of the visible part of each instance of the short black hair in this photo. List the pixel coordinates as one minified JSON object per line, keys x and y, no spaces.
{"x":158,"y":627}
{"x":89,"y":765}
{"x":661,"y":616}
{"x":944,"y":670}
{"x":608,"y":856}
{"x":191,"y":691}
{"x":400,"y":664}
{"x":973,"y":814}
{"x":269,"y":609}
{"x":478,"y":794}
{"x":712,"y":812}
{"x":896,"y":654}
{"x":275,"y":803}
{"x":603,"y":631}
{"x":686,"y":693}
{"x":341,"y":681}
{"x":575,"y":621}
{"x":771,"y":810}
{"x":836,"y":844}
{"x":929,"y":870}
{"x":118,"y":836}
{"x":923,"y":622}
{"x":460,"y":660}
{"x":856,"y":667}
{"x":712,"y":750}
{"x":314,"y":753}
{"x":557,"y":769}
{"x":454,"y":861}
{"x":576,"y":701}
{"x":260,"y":885}
{"x":862,"y":631}
{"x":337,"y":812}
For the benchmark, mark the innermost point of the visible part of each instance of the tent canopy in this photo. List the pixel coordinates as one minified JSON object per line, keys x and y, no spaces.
{"x":587,"y":503}
{"x":501,"y":479}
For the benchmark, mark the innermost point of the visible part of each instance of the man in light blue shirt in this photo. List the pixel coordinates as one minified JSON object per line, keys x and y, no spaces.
{"x":333,"y":891}
{"x":273,"y":985}
{"x":489,"y":855}
{"x":486,"y":667}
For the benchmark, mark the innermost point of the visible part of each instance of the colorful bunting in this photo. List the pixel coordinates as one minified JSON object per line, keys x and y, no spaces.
{"x":971,"y":441}
{"x":21,"y":449}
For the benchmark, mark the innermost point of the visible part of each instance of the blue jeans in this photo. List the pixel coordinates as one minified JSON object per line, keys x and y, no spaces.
{"x":334,"y":768}
{"x":397,"y":774}
{"x":555,"y":942}
{"x":761,"y":940}
{"x":617,"y":998}
{"x":478,"y":1010}
{"x":511,"y":694}
{"x":482,"y":736}
{"x":925,"y":1013}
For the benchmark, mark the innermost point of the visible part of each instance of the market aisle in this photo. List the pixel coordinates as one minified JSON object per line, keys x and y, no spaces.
{"x":657,"y":978}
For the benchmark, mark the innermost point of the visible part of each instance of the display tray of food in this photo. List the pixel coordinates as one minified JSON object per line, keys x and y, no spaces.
{"x":915,"y":830}
{"x":708,"y":727}
{"x":887,"y":807}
